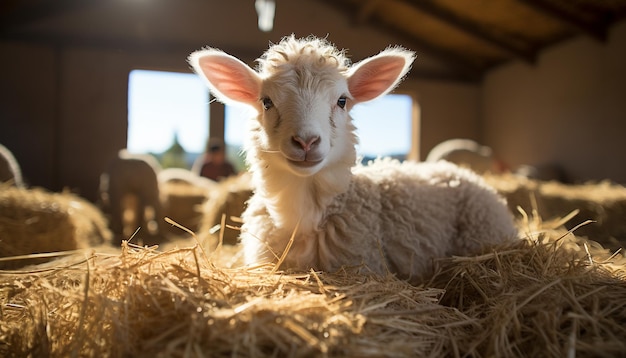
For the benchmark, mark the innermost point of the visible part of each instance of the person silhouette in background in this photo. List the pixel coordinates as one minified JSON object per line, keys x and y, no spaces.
{"x":213,"y":164}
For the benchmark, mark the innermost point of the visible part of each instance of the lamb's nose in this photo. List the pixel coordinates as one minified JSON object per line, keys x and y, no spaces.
{"x":307,"y":143}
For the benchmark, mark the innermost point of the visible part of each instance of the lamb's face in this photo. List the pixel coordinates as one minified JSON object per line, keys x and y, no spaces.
{"x":302,"y":92}
{"x":304,"y":117}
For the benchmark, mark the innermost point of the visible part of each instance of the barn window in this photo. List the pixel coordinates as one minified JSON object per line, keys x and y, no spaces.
{"x":165,"y":107}
{"x":235,"y":118}
{"x":386,"y":127}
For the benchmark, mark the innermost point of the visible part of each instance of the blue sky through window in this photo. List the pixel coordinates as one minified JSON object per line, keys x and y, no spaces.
{"x":162,"y":103}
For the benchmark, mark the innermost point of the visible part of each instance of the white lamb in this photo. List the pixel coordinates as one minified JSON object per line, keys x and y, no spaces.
{"x":311,"y":206}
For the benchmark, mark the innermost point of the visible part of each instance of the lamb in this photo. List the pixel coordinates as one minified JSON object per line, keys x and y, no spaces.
{"x":312,"y":207}
{"x":132,"y":176}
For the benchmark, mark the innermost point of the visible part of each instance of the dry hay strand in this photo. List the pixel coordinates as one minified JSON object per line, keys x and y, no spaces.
{"x":552,"y":295}
{"x":37,"y":221}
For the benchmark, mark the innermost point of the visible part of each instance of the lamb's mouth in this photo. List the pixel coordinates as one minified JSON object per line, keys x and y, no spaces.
{"x":304,"y":163}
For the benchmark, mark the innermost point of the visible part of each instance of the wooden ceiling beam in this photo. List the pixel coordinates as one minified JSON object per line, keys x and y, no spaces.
{"x":181,"y":50}
{"x":30,"y":12}
{"x":366,"y":10}
{"x":467,"y":70}
{"x":471,"y":28}
{"x":120,"y":44}
{"x":597,"y":32}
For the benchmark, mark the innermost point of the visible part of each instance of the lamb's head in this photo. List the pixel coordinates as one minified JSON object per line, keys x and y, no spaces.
{"x":303,"y":90}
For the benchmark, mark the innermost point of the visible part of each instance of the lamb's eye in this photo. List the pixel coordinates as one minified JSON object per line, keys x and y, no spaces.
{"x":267,"y":103}
{"x":341,"y":102}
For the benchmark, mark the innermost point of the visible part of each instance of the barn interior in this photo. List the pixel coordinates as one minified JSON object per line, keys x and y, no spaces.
{"x":540,"y":82}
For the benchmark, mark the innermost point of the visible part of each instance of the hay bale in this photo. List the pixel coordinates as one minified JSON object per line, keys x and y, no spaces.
{"x":183,"y":193}
{"x":227,"y":201}
{"x":37,"y":221}
{"x":604,"y":203}
{"x":183,"y":203}
{"x":518,"y":191}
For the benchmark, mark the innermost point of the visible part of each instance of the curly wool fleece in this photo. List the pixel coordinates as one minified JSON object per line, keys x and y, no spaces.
{"x":394,"y":217}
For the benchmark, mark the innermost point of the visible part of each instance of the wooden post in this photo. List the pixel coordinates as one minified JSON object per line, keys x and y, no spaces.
{"x":216,"y":119}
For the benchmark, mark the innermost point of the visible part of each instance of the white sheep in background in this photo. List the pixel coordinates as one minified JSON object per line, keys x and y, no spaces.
{"x":132,"y":179}
{"x":9,"y":168}
{"x":301,"y":151}
{"x":466,"y":153}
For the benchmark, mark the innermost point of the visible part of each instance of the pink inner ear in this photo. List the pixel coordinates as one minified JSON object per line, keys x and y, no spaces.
{"x":376,"y":77}
{"x":231,"y":78}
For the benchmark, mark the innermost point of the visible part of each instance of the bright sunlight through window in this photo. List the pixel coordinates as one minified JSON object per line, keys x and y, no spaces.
{"x":162,"y":105}
{"x":384,"y":126}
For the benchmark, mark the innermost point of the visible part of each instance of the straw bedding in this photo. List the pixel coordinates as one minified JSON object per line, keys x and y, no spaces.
{"x":553,"y":294}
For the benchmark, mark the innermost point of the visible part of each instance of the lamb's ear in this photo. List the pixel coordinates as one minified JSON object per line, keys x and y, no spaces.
{"x":378,"y":75}
{"x":229,"y":79}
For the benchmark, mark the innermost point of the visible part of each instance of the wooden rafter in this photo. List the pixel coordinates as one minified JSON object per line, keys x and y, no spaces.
{"x":366,"y":9}
{"x":471,"y":28}
{"x":467,"y":70}
{"x":131,"y":45}
{"x":597,"y":32}
{"x":31,"y":12}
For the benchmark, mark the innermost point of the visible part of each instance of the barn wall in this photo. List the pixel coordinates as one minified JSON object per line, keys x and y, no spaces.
{"x":93,"y":116}
{"x":569,"y":109}
{"x":447,"y":110}
{"x":28,"y":108}
{"x":63,"y":109}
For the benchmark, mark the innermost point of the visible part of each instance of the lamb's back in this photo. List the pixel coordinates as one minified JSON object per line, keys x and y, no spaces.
{"x":433,"y":210}
{"x":396,"y":217}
